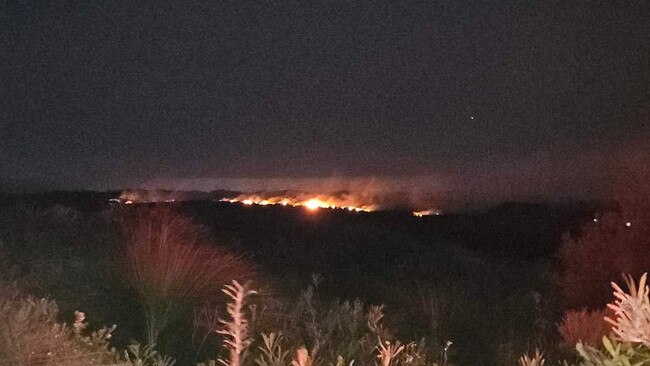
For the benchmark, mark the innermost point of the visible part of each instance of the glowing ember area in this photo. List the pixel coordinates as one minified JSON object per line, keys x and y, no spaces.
{"x":426,"y":213}
{"x":310,"y":202}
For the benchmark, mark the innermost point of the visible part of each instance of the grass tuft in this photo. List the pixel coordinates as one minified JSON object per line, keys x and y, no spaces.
{"x":171,"y":264}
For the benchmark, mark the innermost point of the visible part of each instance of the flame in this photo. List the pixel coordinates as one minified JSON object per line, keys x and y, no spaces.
{"x":426,"y":213}
{"x":311,"y":202}
{"x":314,"y":203}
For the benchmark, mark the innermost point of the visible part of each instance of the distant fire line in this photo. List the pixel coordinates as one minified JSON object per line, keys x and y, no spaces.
{"x":316,"y":203}
{"x":310,"y":203}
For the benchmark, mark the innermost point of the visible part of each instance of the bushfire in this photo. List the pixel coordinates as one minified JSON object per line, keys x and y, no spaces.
{"x":311,"y":202}
{"x":426,"y":213}
{"x":343,"y":200}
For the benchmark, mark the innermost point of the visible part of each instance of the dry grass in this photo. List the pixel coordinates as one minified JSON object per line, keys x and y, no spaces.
{"x":171,"y":263}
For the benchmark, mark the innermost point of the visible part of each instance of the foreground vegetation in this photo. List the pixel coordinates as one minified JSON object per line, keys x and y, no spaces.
{"x":343,"y":336}
{"x":387,"y":295}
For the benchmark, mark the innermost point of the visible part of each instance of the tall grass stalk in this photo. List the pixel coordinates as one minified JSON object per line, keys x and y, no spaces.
{"x":236,"y":328}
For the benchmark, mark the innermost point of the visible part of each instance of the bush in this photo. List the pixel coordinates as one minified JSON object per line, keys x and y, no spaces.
{"x":31,"y":335}
{"x":586,"y":327}
{"x":172,"y":266}
{"x":630,"y":339}
{"x":615,"y":243}
{"x":316,"y":333}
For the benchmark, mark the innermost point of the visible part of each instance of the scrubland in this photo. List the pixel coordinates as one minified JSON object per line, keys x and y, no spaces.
{"x":207,"y":284}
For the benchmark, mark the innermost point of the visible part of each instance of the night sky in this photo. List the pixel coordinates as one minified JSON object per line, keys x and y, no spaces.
{"x":549,"y":97}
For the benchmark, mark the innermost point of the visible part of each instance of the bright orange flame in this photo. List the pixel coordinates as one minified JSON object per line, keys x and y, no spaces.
{"x":313,"y":204}
{"x":310,"y":202}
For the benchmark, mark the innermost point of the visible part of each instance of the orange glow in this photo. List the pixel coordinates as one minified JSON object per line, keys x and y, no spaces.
{"x":313,"y":204}
{"x":309,"y":201}
{"x":426,"y":213}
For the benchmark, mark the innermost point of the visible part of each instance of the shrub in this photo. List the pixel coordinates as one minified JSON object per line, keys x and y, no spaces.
{"x":139,"y":355}
{"x":587,"y":327}
{"x":617,"y":242}
{"x":340,"y":334}
{"x":31,"y":335}
{"x":329,"y":330}
{"x":171,"y":265}
{"x":632,"y":322}
{"x":605,"y":249}
{"x":630,"y":339}
{"x":271,"y":352}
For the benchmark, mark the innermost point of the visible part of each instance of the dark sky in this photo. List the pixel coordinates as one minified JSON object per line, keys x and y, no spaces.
{"x":103,"y":94}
